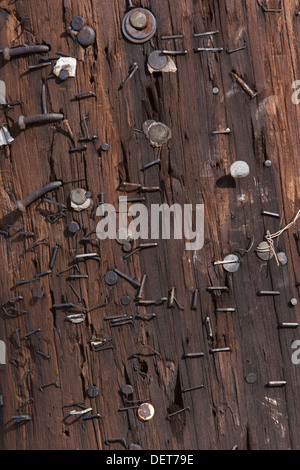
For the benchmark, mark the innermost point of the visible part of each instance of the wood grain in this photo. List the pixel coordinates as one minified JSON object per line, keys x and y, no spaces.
{"x":194,"y":170}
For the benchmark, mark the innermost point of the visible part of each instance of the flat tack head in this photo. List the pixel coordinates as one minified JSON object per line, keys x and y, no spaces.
{"x":21,"y":122}
{"x":86,"y":36}
{"x":77,"y":23}
{"x":157,"y":60}
{"x":20,"y":206}
{"x":138,"y":19}
{"x":145,"y":411}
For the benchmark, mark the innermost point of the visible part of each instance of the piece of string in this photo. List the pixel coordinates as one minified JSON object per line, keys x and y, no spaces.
{"x":269,"y":237}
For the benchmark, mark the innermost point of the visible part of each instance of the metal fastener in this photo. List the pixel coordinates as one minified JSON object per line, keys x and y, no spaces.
{"x":127,"y":390}
{"x":157,"y":60}
{"x":23,"y":121}
{"x":139,"y":25}
{"x":245,"y":87}
{"x":192,"y":389}
{"x":187,"y":408}
{"x":132,"y":70}
{"x":77,"y":23}
{"x":23,"y":50}
{"x":86,"y":36}
{"x":231,"y":263}
{"x":92,"y":391}
{"x":192,"y":355}
{"x":110,"y":278}
{"x":22,"y":205}
{"x":145,"y":411}
{"x":251,"y":378}
{"x":276,"y":383}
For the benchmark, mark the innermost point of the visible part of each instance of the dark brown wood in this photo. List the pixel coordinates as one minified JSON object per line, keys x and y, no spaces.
{"x":227,"y":411}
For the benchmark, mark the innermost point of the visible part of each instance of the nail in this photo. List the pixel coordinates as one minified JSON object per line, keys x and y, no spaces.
{"x":86,"y":94}
{"x":38,"y":242}
{"x":21,"y":418}
{"x":228,"y":51}
{"x":288,"y":325}
{"x":87,"y":137}
{"x":68,"y":269}
{"x":92,"y":417}
{"x":78,"y":149}
{"x":208,"y":324}
{"x":145,"y":316}
{"x":43,"y":354}
{"x":141,"y":289}
{"x":32,"y":332}
{"x":38,"y":66}
{"x":23,"y":121}
{"x":31,"y":399}
{"x":224,"y":131}
{"x":149,"y":165}
{"x":229,"y":309}
{"x":116,"y":439}
{"x":127,"y":278}
{"x":76,"y":412}
{"x":245,"y":87}
{"x":78,"y":276}
{"x":24,"y":377}
{"x":22,"y":205}
{"x":17,"y":51}
{"x":174,"y":52}
{"x":122,"y":323}
{"x":221,"y":288}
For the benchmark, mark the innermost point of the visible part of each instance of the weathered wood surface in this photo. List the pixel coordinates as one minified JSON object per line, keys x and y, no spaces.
{"x":227,"y":411}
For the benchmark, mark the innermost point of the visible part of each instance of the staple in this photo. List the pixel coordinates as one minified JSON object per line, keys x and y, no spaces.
{"x":228,"y":51}
{"x":145,"y":316}
{"x":18,"y":310}
{"x":85,"y":94}
{"x":14,"y":299}
{"x":271,"y":214}
{"x":43,"y":354}
{"x":80,"y":404}
{"x":192,"y":388}
{"x":87,"y":137}
{"x":21,"y":418}
{"x":195,"y":299}
{"x":265,"y":292}
{"x":208,"y":49}
{"x":288,"y":325}
{"x":78,"y":276}
{"x":152,"y":302}
{"x":276,"y":383}
{"x":50,"y":201}
{"x":192,"y":355}
{"x":31,"y":399}
{"x":129,"y":317}
{"x":92,"y":417}
{"x":187,"y":408}
{"x":223,"y":131}
{"x":174,"y":52}
{"x":116,"y":317}
{"x":208,"y":33}
{"x":53,"y":257}
{"x":123,"y":323}
{"x":208,"y":324}
{"x":87,"y":255}
{"x":41,"y":388}
{"x":228,"y":309}
{"x":23,"y":281}
{"x":116,"y":439}
{"x":172,"y":36}
{"x":68,"y":269}
{"x":82,"y":412}
{"x":27,"y":372}
{"x":218,"y":288}
{"x":212,"y":351}
{"x":103,"y":349}
{"x":38,"y":66}
{"x":136,"y":283}
{"x":140,"y":350}
{"x":18,"y":337}
{"x":271,"y":10}
{"x":149,"y":165}
{"x":36,"y":330}
{"x":150,"y":188}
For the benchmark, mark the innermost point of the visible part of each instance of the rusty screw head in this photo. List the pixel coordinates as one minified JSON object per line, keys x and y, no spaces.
{"x":138,"y":19}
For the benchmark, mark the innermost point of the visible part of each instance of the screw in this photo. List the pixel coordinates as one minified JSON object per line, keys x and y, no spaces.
{"x":42,"y":118}
{"x":17,"y":51}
